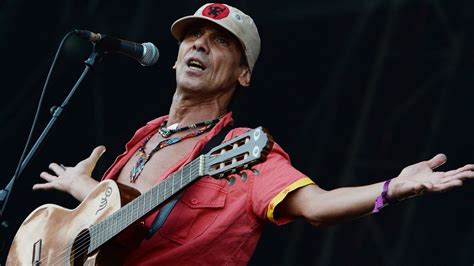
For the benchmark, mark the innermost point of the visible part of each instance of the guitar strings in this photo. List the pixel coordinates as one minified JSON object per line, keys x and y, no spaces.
{"x":82,"y":243}
{"x":83,"y":246}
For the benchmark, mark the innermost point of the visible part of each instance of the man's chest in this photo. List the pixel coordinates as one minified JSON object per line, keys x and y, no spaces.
{"x":158,"y":163}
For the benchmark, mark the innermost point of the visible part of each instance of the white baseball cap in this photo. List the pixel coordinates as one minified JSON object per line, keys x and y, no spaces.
{"x":230,"y":18}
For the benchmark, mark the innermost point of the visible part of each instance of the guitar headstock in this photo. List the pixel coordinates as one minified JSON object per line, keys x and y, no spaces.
{"x":238,"y":153}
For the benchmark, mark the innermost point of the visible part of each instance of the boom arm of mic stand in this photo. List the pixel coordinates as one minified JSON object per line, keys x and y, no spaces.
{"x":5,"y":193}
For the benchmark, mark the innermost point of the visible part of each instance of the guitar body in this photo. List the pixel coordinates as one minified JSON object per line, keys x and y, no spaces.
{"x":51,"y":234}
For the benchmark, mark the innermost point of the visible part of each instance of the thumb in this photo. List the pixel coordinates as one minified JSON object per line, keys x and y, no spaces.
{"x":95,"y":156}
{"x":437,"y":161}
{"x":97,"y":153}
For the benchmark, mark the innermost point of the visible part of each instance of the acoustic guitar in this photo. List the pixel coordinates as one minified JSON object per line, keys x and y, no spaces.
{"x":109,"y":222}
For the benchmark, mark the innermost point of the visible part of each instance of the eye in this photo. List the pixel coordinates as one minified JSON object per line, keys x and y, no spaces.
{"x":222,"y":40}
{"x":193,"y":34}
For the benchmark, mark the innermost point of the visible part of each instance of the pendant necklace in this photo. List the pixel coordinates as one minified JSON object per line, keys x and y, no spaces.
{"x":143,"y":157}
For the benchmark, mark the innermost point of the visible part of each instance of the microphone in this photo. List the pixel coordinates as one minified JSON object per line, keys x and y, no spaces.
{"x":146,"y":53}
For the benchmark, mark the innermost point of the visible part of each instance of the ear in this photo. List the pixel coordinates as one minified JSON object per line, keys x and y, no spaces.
{"x":174,"y":66}
{"x":244,"y":77}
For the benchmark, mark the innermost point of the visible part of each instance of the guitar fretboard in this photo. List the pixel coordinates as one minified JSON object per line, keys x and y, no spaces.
{"x":106,"y":229}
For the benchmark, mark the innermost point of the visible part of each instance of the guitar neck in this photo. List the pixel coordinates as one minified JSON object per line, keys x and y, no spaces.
{"x":139,"y":207}
{"x":238,"y":153}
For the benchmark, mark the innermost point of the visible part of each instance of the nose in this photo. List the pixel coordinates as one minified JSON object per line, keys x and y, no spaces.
{"x":201,"y":44}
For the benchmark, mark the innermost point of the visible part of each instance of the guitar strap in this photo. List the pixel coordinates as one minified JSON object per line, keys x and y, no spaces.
{"x":166,"y":209}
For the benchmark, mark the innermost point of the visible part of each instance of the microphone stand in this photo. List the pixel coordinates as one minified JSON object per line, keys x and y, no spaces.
{"x":94,"y":58}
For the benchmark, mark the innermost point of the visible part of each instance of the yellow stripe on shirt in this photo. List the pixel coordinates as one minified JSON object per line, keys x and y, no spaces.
{"x":280,"y":196}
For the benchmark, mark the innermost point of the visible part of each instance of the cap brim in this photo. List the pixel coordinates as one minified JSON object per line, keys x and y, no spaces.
{"x":178,"y":27}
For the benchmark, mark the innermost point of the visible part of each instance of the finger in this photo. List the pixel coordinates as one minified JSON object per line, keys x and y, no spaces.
{"x":437,"y":161}
{"x":97,"y":153}
{"x":45,"y":186}
{"x":446,"y":186}
{"x":48,"y":177}
{"x":468,"y":167}
{"x":95,"y":156}
{"x":56,"y":168}
{"x":460,"y":176}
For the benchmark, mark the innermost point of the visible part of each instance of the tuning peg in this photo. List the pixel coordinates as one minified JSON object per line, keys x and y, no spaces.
{"x":243,"y":176}
{"x":255,"y":171}
{"x":230,"y":180}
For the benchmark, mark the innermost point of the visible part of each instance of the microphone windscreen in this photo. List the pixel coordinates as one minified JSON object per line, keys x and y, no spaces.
{"x":150,"y":54}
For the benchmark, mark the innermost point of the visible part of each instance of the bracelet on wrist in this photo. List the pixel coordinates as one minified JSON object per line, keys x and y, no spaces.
{"x":383,"y":200}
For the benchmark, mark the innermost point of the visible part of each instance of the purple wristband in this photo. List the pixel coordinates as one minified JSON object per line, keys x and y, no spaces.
{"x":381,"y":200}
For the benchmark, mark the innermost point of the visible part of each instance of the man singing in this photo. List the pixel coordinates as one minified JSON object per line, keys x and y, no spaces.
{"x":216,"y":222}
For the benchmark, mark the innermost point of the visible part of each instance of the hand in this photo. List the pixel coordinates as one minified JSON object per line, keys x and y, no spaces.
{"x":419,"y":178}
{"x":76,"y":180}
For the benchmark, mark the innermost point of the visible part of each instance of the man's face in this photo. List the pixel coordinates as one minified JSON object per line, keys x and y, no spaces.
{"x":209,"y":60}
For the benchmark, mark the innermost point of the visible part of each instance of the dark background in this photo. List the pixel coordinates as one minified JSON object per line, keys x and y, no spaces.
{"x":353,"y":90}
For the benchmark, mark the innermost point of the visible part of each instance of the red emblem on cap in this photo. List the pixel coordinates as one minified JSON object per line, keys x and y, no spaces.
{"x":216,"y":11}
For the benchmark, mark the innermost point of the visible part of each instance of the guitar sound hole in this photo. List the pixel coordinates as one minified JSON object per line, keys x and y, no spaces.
{"x":80,"y":248}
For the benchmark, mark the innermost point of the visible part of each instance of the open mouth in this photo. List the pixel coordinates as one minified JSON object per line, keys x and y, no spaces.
{"x":196,"y":64}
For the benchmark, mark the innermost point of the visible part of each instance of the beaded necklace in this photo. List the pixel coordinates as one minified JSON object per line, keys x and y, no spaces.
{"x":143,"y":158}
{"x":166,"y":132}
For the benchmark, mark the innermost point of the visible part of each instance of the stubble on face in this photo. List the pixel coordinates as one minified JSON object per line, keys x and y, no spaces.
{"x":208,"y":61}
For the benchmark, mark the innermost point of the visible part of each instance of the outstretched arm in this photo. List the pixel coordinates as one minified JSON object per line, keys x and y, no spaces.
{"x":76,"y":181}
{"x":326,"y":207}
